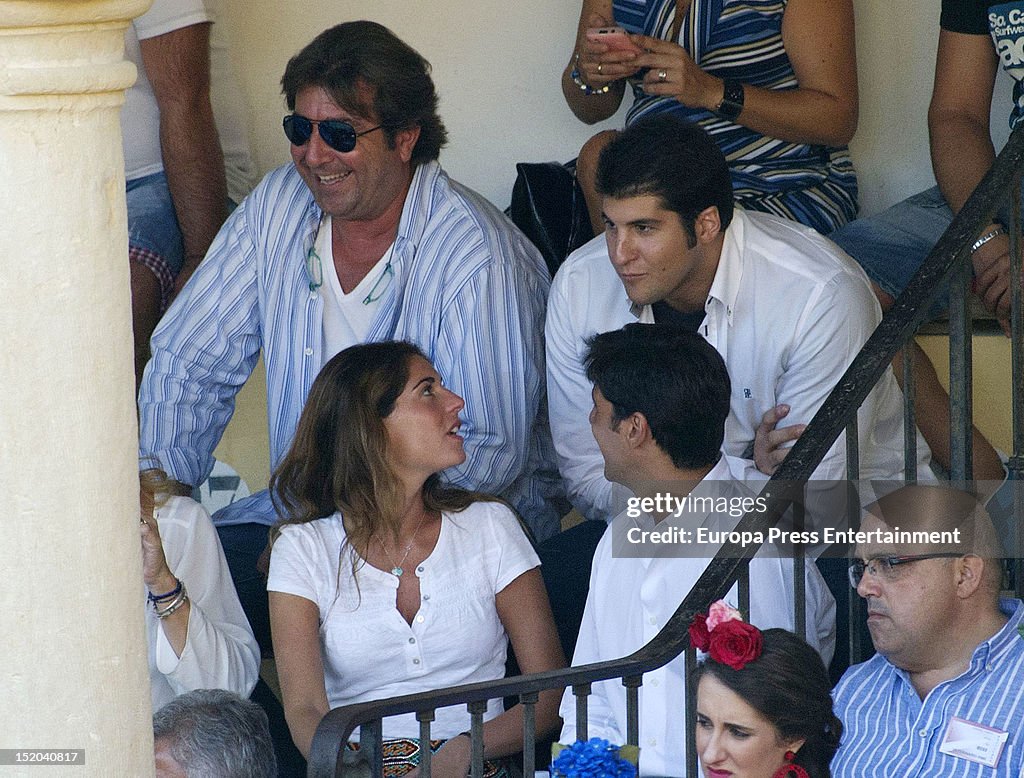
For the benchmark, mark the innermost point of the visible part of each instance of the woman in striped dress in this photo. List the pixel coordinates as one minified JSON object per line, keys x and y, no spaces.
{"x":773,"y":81}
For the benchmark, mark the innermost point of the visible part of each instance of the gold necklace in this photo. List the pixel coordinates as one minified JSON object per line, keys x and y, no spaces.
{"x":397,"y":570}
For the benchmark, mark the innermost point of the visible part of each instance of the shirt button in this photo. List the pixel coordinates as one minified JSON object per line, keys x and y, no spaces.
{"x":654,"y":682}
{"x":308,"y":352}
{"x":923,"y":733}
{"x":419,"y":569}
{"x":419,"y":619}
{"x":652,"y":621}
{"x":426,"y":596}
{"x":412,"y":640}
{"x":415,"y":661}
{"x":652,"y":742}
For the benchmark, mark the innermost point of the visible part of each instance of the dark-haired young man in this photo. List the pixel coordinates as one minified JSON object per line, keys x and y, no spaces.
{"x":660,"y":403}
{"x":362,"y":237}
{"x":786,"y":308}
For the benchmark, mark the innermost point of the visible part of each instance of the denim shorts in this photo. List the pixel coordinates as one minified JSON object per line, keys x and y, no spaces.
{"x":152,"y":222}
{"x":891,"y":245}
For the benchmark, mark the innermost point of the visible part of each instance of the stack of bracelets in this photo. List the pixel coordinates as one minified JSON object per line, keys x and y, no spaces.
{"x":166,"y":604}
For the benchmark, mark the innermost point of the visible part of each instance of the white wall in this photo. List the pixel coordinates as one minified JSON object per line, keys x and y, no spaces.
{"x":896,"y":42}
{"x":497,"y":67}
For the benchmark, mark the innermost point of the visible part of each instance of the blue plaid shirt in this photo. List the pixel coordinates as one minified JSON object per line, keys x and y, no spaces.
{"x":468,"y":288}
{"x":889,"y":732}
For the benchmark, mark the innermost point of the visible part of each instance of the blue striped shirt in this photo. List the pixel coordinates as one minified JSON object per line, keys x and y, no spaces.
{"x":468,"y":288}
{"x":889,"y":731}
{"x":742,"y":40}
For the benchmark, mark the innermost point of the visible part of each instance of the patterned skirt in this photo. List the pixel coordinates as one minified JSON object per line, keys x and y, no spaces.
{"x":401,"y":755}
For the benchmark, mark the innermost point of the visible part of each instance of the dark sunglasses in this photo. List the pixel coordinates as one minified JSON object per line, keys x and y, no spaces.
{"x":336,"y":133}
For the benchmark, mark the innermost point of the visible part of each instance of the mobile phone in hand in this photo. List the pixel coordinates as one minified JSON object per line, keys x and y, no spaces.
{"x":615,"y":38}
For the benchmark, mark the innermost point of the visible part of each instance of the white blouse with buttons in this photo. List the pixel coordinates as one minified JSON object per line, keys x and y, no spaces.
{"x":369,"y":651}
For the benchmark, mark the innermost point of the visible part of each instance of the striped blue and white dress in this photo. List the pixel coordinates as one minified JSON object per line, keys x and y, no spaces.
{"x":742,"y":40}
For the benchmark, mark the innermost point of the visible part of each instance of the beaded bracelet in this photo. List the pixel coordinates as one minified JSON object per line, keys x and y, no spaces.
{"x":577,"y":79}
{"x":180,"y":600}
{"x":155,"y":598}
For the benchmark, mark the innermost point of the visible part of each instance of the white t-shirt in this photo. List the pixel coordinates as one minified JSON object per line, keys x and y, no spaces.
{"x":347,"y":317}
{"x":369,"y":651}
{"x":140,"y":116}
{"x":221,"y":652}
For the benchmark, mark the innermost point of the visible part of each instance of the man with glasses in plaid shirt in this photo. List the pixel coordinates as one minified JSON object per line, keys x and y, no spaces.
{"x":363,"y":237}
{"x":944,"y":694}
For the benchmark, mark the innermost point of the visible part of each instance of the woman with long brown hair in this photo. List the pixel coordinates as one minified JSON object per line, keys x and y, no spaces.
{"x":383,"y":580}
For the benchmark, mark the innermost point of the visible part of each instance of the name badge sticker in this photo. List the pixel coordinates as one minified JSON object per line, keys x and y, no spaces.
{"x":973,"y":742}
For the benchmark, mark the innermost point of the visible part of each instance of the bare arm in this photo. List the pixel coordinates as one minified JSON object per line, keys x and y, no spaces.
{"x":178,"y":66}
{"x":596,"y":107}
{"x":961,"y":146}
{"x":160,"y":580}
{"x":526,"y":615}
{"x":525,"y":612}
{"x":818,"y":36}
{"x":294,"y":624}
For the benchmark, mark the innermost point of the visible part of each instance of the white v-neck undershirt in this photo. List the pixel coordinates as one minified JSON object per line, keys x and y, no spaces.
{"x":347,"y":317}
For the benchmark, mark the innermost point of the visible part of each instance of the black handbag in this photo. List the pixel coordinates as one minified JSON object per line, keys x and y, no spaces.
{"x":548,"y":206}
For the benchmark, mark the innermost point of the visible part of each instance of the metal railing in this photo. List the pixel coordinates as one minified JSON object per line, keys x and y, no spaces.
{"x":329,"y":757}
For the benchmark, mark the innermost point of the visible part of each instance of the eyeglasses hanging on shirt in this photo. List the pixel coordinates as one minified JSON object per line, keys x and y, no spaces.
{"x":315,"y":272}
{"x":383,"y":281}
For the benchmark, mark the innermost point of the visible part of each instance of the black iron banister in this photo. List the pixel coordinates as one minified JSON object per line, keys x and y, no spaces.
{"x":785,"y":487}
{"x":1016,"y":464}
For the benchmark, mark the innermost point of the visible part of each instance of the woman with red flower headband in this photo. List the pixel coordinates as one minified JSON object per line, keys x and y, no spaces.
{"x":764,"y":704}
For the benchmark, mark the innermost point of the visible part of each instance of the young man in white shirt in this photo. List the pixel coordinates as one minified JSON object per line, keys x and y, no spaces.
{"x":660,"y":403}
{"x":785,"y":308}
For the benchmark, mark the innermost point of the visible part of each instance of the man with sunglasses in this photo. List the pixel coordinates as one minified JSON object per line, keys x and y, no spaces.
{"x":362,"y":237}
{"x":944,"y":694}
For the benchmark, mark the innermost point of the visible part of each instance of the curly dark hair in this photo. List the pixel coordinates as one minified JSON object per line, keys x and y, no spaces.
{"x":672,"y":159}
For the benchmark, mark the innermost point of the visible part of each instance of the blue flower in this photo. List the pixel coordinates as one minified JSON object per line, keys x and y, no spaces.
{"x":597,"y":758}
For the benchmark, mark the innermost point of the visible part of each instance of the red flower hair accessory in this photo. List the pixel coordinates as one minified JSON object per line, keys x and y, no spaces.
{"x":725,"y":637}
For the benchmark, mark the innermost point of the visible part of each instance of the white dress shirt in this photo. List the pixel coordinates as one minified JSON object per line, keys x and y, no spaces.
{"x":787,"y":310}
{"x":631,"y":599}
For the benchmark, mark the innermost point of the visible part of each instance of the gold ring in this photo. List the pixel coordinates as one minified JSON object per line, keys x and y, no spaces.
{"x":662,"y":75}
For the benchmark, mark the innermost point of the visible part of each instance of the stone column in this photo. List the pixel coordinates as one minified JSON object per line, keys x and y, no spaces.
{"x":73,"y":669}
